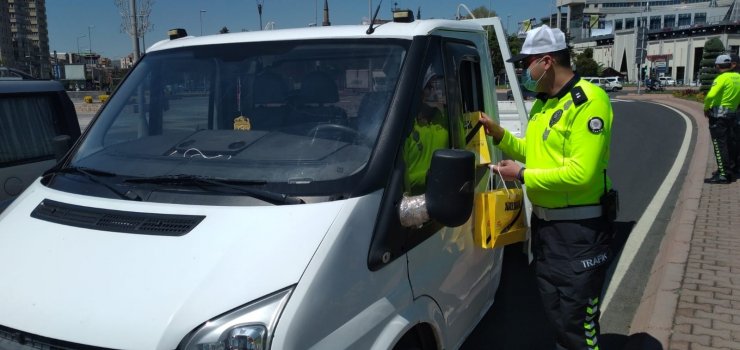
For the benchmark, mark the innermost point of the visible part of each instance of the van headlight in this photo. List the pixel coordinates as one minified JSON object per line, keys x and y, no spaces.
{"x":249,"y":327}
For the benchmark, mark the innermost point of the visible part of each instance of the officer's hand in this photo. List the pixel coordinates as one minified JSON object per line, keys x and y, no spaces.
{"x":707,"y":113}
{"x":492,"y":129}
{"x":508,"y":169}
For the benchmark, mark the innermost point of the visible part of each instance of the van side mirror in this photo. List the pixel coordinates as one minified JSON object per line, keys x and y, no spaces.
{"x":449,"y":195}
{"x":61,"y":144}
{"x":450,"y":186}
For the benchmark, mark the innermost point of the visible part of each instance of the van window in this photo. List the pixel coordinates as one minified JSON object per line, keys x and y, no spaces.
{"x":430,"y":128}
{"x":26,"y":129}
{"x":285,"y":113}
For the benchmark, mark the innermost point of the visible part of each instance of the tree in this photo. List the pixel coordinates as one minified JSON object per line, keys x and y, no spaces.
{"x":515,"y":45}
{"x":586,"y":65}
{"x":483,"y":12}
{"x":223,"y":30}
{"x":135,"y":24}
{"x":712,"y":48}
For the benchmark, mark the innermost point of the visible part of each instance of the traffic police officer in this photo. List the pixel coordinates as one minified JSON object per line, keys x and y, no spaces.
{"x":720,"y":106}
{"x":566,"y":152}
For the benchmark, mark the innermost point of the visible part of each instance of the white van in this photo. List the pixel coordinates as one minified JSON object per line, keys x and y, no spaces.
{"x":606,"y":83}
{"x":266,"y":203}
{"x":614,"y":83}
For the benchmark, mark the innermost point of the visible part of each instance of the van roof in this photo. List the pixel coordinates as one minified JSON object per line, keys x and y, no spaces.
{"x":387,"y":30}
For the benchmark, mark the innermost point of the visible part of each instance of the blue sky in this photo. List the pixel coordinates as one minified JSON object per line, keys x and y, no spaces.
{"x":70,"y":20}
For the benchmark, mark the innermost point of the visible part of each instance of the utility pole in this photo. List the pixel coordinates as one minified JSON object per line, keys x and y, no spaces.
{"x":135,"y":28}
{"x":201,"y":21}
{"x":326,"y":22}
{"x":259,"y":10}
{"x":642,"y":48}
{"x":90,"y":52}
{"x":78,"y":45}
{"x":135,"y":20}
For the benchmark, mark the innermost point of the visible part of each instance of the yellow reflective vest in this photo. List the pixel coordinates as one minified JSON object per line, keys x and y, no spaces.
{"x":426,"y":137}
{"x":725,"y":91}
{"x":566,"y":147}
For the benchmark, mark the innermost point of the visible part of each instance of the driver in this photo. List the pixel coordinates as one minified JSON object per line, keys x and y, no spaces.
{"x":429,"y":133}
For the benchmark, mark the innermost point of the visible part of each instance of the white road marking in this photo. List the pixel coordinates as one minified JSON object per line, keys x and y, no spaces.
{"x":618,"y":100}
{"x":639,"y":232}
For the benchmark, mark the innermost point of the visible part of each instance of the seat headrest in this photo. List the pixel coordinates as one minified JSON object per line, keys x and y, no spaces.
{"x":269,"y":87}
{"x":318,"y":87}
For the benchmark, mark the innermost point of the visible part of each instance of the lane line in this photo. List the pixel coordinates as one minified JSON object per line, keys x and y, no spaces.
{"x":640,"y":231}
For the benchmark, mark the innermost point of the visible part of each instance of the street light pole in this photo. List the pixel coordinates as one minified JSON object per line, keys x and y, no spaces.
{"x":89,"y":55}
{"x":259,"y":10}
{"x":78,"y":45}
{"x":89,"y":37}
{"x":201,"y":21}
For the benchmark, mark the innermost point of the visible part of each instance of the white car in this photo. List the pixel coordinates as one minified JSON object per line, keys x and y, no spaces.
{"x":606,"y":83}
{"x":667,"y":81}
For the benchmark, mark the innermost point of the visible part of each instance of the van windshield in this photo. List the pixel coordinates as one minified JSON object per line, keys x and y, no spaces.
{"x":290,"y":112}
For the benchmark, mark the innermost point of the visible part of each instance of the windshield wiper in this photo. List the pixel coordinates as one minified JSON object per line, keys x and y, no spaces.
{"x":234,"y":184}
{"x":92,"y":175}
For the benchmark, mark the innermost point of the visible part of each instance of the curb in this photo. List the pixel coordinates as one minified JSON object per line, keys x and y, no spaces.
{"x":657,"y":309}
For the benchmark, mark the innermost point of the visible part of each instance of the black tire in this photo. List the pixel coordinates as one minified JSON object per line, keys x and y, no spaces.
{"x":418,"y":338}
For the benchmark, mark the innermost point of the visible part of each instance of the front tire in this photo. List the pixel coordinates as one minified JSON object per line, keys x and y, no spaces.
{"x":420,"y":337}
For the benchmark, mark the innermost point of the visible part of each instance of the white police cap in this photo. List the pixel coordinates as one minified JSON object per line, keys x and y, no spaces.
{"x":722,"y":59}
{"x":541,"y":40}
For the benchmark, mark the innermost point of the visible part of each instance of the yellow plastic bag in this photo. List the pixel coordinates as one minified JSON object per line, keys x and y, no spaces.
{"x":477,"y":142}
{"x":499,"y":216}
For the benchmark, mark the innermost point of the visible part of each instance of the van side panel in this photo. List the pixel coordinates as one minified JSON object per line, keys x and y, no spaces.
{"x":339,"y":303}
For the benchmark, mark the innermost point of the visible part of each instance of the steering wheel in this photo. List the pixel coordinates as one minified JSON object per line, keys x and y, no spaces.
{"x":348,"y":133}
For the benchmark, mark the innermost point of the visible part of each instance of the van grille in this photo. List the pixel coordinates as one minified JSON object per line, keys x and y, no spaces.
{"x":17,"y":340}
{"x":115,"y":220}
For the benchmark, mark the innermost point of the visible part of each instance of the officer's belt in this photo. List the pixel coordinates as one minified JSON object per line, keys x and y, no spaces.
{"x":569,"y":213}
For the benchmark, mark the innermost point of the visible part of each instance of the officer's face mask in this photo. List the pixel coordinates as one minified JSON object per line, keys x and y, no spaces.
{"x":529,"y":83}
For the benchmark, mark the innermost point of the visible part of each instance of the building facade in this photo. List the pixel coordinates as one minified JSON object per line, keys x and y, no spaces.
{"x":24,"y":36}
{"x":669,"y":35}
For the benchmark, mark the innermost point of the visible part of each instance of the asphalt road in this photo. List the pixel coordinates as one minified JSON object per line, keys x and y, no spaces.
{"x":645,"y":141}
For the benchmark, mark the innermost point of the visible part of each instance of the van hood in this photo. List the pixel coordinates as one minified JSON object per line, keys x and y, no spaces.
{"x":133,"y":291}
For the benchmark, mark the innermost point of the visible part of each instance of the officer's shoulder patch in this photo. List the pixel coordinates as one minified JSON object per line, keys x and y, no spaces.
{"x":579,"y":97}
{"x":596,"y":125}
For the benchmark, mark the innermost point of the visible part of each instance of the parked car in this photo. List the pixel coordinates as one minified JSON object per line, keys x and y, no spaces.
{"x":613,"y":83}
{"x":7,"y":73}
{"x":607,"y":84}
{"x":667,"y":81}
{"x":38,"y":123}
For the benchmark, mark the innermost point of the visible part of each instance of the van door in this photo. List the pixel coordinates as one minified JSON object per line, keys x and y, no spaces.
{"x":447,"y":266}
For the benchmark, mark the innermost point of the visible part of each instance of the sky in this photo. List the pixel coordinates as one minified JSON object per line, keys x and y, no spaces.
{"x":78,"y":25}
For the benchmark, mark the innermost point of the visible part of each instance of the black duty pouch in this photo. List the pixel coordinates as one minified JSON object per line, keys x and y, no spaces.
{"x":610,"y":205}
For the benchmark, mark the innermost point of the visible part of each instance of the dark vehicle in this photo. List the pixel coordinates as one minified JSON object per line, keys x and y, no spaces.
{"x":7,"y":73}
{"x":654,"y":85}
{"x":528,"y":95}
{"x":38,"y":124}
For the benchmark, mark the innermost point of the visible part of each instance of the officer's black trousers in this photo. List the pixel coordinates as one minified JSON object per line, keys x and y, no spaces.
{"x":571,"y":258}
{"x":735,"y":144}
{"x":721,"y":130}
